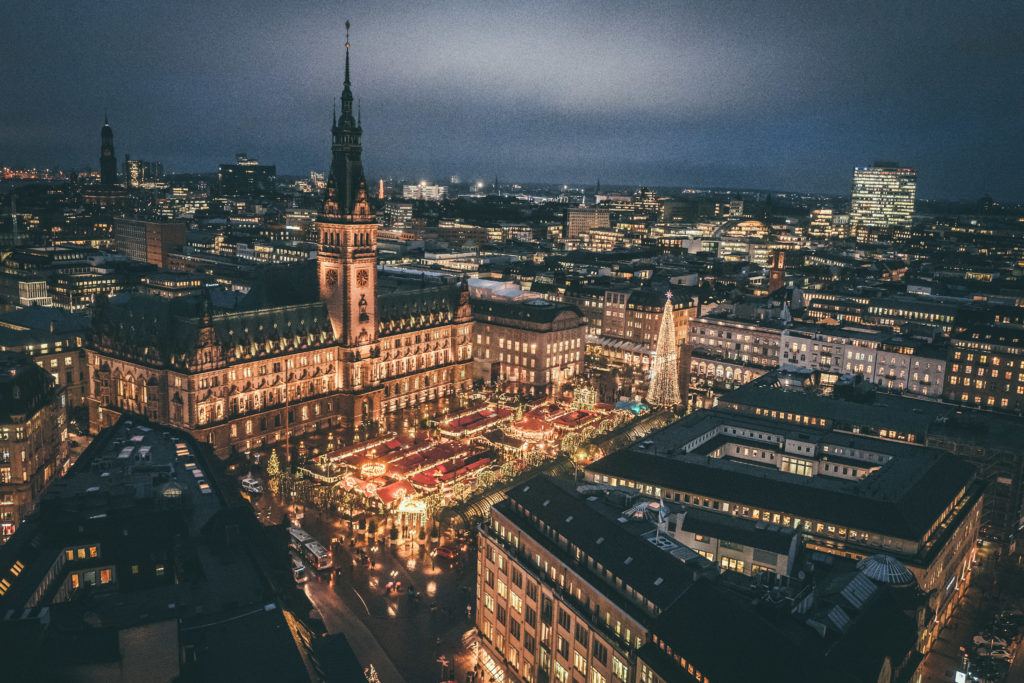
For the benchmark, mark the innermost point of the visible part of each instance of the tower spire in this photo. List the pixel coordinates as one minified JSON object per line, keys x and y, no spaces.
{"x":348,"y":25}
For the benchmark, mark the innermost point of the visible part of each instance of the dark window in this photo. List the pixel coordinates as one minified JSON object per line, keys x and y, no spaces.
{"x":600,"y":653}
{"x":564,"y":620}
{"x":582,"y":635}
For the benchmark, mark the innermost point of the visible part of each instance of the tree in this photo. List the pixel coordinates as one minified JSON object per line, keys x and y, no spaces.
{"x":274,"y":473}
{"x":664,"y":389}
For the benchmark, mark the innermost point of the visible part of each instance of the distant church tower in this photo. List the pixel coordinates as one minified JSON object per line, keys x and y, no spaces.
{"x":108,"y":162}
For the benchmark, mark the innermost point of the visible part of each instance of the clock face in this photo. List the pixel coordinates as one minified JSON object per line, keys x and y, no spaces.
{"x":362,"y":277}
{"x":332,"y":278}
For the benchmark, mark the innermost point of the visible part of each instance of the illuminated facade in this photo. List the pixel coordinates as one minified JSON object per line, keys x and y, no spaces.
{"x":535,"y":346}
{"x":882,"y":202}
{"x":342,"y":346}
{"x":33,"y":437}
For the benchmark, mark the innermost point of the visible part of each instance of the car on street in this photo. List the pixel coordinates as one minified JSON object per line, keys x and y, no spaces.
{"x":448,"y":552}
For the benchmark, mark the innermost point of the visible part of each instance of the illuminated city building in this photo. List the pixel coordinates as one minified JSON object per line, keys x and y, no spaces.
{"x":882,"y":202}
{"x":138,"y":172}
{"x":598,"y":584}
{"x":336,"y":345}
{"x":795,"y":459}
{"x":148,"y":241}
{"x":246,"y":178}
{"x":580,"y":222}
{"x":425,"y":192}
{"x":33,"y":437}
{"x":534,"y":346}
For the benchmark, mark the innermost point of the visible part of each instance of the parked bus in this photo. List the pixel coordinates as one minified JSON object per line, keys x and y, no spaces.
{"x":317,"y":556}
{"x":297,"y":538}
{"x":305,"y":546}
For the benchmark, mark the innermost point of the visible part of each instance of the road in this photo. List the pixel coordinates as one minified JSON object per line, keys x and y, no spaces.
{"x":403,"y":636}
{"x":997,"y":584}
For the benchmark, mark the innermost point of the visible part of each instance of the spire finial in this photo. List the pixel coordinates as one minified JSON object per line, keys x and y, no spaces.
{"x":359,"y":112}
{"x":334,"y":111}
{"x":105,"y":121}
{"x":348,"y":25}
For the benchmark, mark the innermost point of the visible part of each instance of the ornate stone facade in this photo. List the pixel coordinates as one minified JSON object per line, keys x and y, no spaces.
{"x":346,"y":347}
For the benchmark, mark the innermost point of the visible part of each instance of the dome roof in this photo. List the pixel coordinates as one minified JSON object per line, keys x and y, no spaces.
{"x":886,"y":569}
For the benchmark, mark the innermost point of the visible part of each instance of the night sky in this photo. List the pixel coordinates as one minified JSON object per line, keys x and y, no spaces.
{"x":776,"y":95}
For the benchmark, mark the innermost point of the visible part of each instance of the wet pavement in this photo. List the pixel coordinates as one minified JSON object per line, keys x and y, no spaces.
{"x":411,"y":631}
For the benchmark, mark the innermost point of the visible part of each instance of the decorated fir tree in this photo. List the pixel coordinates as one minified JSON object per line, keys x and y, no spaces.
{"x":274,"y":472}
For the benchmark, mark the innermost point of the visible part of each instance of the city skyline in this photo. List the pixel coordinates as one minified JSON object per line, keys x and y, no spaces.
{"x":537,"y":94}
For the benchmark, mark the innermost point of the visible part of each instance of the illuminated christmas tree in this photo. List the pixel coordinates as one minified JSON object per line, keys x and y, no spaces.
{"x":274,"y":472}
{"x":664,"y":388}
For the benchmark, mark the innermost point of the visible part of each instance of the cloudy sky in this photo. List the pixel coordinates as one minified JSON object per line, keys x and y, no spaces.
{"x":776,"y":95}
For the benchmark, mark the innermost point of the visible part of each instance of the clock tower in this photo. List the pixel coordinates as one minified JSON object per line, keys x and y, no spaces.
{"x":347,"y":250}
{"x":347,"y":265}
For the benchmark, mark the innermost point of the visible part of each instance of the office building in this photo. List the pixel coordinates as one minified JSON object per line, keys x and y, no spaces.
{"x":882,"y":202}
{"x":138,"y":172}
{"x":247,"y":178}
{"x":397,"y":216}
{"x":148,"y":241}
{"x":533,"y":346}
{"x":594,"y":584}
{"x":728,"y":350}
{"x":794,"y":459}
{"x":425,"y":192}
{"x":580,"y":222}
{"x":893,"y":362}
{"x":986,"y":365}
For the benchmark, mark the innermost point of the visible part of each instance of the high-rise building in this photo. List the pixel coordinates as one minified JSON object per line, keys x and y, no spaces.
{"x":423,"y":191}
{"x":148,"y":241}
{"x":137,"y":171}
{"x":882,"y":202}
{"x":246,"y":177}
{"x":580,"y":222}
{"x":397,"y":216}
